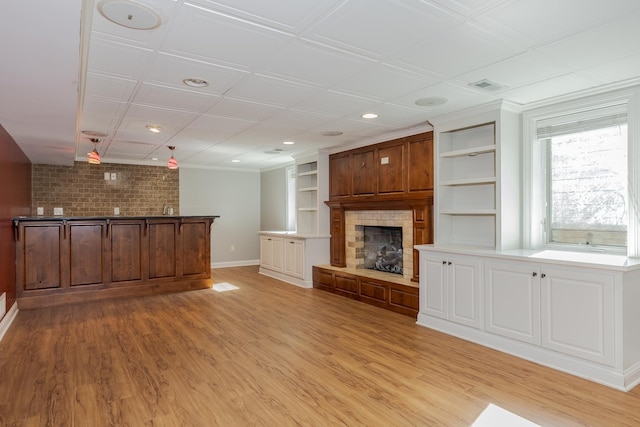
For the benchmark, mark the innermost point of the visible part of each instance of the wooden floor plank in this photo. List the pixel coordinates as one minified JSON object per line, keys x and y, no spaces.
{"x":271,"y":354}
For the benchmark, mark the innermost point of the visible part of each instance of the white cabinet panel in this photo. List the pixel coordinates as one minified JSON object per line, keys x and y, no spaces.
{"x":450,"y":288}
{"x":271,"y":253}
{"x":578,"y":314}
{"x":294,"y":257}
{"x":433,"y":293}
{"x":464,"y":288}
{"x":512,"y":300}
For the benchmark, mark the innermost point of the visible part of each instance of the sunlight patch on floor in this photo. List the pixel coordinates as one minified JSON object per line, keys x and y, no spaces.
{"x":495,"y":416}
{"x":222,"y":287}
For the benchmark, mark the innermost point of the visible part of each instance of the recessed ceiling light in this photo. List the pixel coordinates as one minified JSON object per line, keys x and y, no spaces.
{"x":154,"y":158}
{"x":332,"y":133}
{"x":154,"y":128}
{"x":194,"y":82}
{"x":129,"y":14}
{"x":369,"y":116}
{"x":288,"y":142}
{"x":235,"y":161}
{"x":430,"y":101}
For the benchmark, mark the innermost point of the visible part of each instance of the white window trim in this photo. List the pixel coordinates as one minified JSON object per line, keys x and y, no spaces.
{"x":533,"y":178}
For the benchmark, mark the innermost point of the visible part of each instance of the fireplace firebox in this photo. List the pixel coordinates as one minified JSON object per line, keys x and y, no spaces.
{"x":383,"y":248}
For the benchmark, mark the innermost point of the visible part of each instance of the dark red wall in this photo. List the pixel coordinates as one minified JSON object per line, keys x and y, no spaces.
{"x":15,"y":200}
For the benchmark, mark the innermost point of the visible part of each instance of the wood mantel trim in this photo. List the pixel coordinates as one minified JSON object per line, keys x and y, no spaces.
{"x":422,"y":209}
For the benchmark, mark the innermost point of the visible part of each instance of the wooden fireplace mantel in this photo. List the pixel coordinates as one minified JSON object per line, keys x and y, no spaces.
{"x":421,"y":208}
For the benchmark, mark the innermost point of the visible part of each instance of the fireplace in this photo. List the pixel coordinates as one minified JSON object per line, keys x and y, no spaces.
{"x":355,"y":223}
{"x":383,"y":248}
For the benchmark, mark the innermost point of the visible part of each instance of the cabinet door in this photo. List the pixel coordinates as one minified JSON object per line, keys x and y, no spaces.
{"x":162,"y":249}
{"x":578,"y":313}
{"x":294,"y":258}
{"x":40,"y":259}
{"x":266,"y":253}
{"x":364,"y":182}
{"x":512,"y":300}
{"x":464,"y":290}
{"x":391,"y":169}
{"x":195,"y":257}
{"x":126,"y":250}
{"x":86,"y":253}
{"x":271,"y":253}
{"x":339,"y":176}
{"x":420,"y":158}
{"x":433,"y":292}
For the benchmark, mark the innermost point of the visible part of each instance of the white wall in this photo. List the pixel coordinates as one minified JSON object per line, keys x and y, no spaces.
{"x":235,"y":196}
{"x":273,"y":205}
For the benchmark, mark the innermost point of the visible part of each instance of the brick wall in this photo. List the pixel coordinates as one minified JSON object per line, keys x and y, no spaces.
{"x":81,"y":190}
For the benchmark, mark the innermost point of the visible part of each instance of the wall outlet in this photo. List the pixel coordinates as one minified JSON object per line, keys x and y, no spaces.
{"x":40,"y":210}
{"x":384,"y":160}
{"x":107,"y":176}
{"x":116,"y":211}
{"x":113,"y":176}
{"x":57,"y":211}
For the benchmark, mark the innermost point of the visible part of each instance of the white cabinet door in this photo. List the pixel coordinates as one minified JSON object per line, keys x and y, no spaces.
{"x":449,"y":288}
{"x":433,"y":291}
{"x":578,"y":313}
{"x":271,"y":252}
{"x":294,"y":257}
{"x":512,"y":300}
{"x":464,"y":290}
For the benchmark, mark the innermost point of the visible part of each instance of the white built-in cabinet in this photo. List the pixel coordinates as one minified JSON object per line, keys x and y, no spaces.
{"x":477,"y":178}
{"x":574,"y":313}
{"x":290,"y":256}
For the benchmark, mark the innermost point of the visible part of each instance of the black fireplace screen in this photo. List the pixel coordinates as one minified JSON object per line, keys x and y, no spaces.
{"x":383,"y":248}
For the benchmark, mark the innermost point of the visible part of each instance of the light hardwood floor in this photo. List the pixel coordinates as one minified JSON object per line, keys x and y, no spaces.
{"x":271,"y":354}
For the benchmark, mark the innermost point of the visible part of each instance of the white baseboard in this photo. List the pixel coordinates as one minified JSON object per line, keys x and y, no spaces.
{"x":7,"y":320}
{"x":235,"y":263}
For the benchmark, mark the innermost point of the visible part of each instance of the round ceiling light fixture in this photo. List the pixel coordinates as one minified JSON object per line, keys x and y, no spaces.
{"x":195,"y":82}
{"x":129,"y":14}
{"x":154,"y":128}
{"x":332,"y":133}
{"x":94,"y":133}
{"x":431,"y":101}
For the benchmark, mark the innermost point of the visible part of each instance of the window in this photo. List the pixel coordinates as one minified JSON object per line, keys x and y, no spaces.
{"x":579,"y":183}
{"x":587,"y":187}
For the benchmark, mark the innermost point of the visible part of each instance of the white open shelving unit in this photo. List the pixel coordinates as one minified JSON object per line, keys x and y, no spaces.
{"x":477,"y":198}
{"x":312,"y":184}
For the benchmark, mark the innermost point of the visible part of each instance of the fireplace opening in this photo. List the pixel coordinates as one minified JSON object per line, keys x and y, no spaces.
{"x":383,"y":248}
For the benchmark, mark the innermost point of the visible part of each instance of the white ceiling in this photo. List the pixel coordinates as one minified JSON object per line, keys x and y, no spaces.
{"x":288,"y":70}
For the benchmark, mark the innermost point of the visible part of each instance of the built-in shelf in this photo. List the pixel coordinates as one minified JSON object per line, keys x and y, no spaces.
{"x":470,"y":152}
{"x":312,"y":172}
{"x":469,"y":181}
{"x":312,"y":190}
{"x":308,"y":189}
{"x":307,"y":209}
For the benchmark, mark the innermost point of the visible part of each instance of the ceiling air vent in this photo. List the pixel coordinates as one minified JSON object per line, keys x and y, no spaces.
{"x":487,"y":86}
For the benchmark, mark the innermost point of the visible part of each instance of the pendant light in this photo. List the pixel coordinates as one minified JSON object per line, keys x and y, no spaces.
{"x":173,"y":163}
{"x":94,"y":156}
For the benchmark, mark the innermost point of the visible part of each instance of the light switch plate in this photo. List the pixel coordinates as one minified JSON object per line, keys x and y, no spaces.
{"x":113,"y":176}
{"x":107,"y":176}
{"x":40,"y":210}
{"x":57,"y":211}
{"x":116,"y":211}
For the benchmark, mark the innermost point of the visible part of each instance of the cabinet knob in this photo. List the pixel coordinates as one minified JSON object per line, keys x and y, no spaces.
{"x":449,"y":263}
{"x":543,"y":275}
{"x":535,"y":274}
{"x":444,"y":262}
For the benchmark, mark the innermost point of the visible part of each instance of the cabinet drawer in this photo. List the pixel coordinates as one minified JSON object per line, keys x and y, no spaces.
{"x":345,"y":283}
{"x":373,"y":290}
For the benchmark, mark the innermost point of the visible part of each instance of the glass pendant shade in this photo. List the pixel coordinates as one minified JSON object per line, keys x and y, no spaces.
{"x":173,"y":163}
{"x":94,"y":157}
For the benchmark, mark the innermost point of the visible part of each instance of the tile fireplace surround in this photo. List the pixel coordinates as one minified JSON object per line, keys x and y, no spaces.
{"x":354,"y":235}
